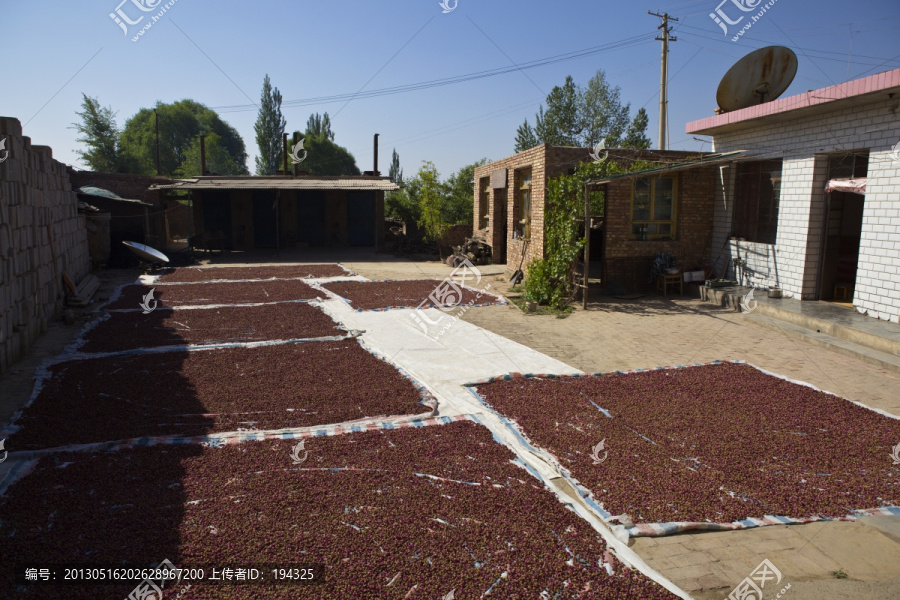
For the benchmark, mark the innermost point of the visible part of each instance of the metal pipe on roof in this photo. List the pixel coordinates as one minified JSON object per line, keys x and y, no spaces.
{"x":284,"y":153}
{"x":202,"y":155}
{"x":375,"y":166}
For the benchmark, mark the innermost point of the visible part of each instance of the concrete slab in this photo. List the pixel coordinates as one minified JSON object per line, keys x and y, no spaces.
{"x":889,"y":526}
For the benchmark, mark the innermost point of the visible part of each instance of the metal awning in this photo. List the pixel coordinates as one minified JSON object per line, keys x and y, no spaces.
{"x":705,"y":161}
{"x":95,"y":192}
{"x":360,"y":183}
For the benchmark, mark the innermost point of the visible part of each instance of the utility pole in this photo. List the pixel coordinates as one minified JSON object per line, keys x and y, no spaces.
{"x":664,"y":76}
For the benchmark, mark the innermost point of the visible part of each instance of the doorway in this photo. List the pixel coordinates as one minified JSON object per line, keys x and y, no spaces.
{"x":265,"y":221}
{"x":843,"y":226}
{"x":311,"y":229}
{"x":361,"y":218}
{"x":217,"y":216}
{"x":845,"y":216}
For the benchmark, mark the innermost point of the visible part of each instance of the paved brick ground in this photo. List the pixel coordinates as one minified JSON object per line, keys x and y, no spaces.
{"x":653,"y":331}
{"x":656,"y":331}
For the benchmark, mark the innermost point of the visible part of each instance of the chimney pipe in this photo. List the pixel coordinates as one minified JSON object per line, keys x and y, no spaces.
{"x":285,"y":152}
{"x":375,"y":167}
{"x":296,"y":141}
{"x":202,"y":155}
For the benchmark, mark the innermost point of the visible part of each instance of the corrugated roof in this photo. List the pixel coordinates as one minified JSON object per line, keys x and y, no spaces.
{"x":281,"y":183}
{"x":89,"y":190}
{"x":706,"y":161}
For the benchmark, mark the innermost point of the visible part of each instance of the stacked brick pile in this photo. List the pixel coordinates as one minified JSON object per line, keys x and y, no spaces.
{"x":41,"y":235}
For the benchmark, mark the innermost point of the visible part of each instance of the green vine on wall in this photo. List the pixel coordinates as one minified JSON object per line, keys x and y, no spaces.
{"x":551,"y":280}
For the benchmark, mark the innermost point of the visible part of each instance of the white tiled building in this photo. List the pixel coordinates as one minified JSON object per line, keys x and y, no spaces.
{"x":772,"y":208}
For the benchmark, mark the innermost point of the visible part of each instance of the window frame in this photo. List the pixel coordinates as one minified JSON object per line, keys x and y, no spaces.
{"x":651,"y":222}
{"x":484,"y":219}
{"x":859,"y":164}
{"x":748,"y":220}
{"x":522,"y":225}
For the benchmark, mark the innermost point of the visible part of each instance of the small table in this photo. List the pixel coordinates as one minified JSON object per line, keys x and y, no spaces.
{"x":664,"y":280}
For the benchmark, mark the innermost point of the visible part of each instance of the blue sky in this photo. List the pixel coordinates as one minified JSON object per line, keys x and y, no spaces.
{"x":218,"y":53}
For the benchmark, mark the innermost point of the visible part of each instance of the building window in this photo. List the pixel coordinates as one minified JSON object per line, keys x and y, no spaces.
{"x":523,"y":205}
{"x":757,"y":191}
{"x":848,"y":166}
{"x":653,"y":208}
{"x":483,"y":201}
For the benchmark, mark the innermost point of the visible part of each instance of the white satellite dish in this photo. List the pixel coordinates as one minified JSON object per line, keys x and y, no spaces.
{"x":146,"y":252}
{"x":759,"y":77}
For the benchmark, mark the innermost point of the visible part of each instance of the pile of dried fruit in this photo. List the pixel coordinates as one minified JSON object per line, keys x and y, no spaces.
{"x":369,"y":295}
{"x":190,"y":274}
{"x":278,"y":290}
{"x":716,"y":443}
{"x":167,"y":326}
{"x":408,"y":513}
{"x":192,"y":393}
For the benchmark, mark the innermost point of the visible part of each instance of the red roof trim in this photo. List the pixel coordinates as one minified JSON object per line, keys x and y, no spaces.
{"x":841,"y":91}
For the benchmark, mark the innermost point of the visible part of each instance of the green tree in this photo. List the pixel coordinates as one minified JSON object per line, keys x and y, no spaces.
{"x":431,"y":198}
{"x":460,"y":200}
{"x":525,"y":137}
{"x":578,"y":116}
{"x":218,"y":160}
{"x":636,"y":136}
{"x":180,"y":125}
{"x":403,"y":204}
{"x":395,"y":173}
{"x":397,"y":203}
{"x":324,"y":157}
{"x":320,"y":125}
{"x":551,"y":279}
{"x":100,"y":135}
{"x":269,"y":127}
{"x":601,"y":114}
{"x":560,"y":124}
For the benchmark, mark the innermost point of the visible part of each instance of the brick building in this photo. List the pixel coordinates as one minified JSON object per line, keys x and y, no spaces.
{"x":509,"y":206}
{"x":814,"y":205}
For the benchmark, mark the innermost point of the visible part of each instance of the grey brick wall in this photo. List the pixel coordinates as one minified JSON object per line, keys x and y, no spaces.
{"x":41,"y":235}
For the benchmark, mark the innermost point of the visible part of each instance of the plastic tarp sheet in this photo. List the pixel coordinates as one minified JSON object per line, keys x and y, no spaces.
{"x":857,"y":185}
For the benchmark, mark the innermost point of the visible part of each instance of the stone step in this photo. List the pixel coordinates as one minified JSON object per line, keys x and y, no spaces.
{"x":842,"y":346}
{"x":841,"y":328}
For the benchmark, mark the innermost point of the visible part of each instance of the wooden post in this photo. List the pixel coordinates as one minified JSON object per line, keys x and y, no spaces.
{"x":587,"y":245}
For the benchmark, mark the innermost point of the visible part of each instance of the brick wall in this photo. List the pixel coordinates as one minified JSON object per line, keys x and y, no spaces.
{"x":545,"y":161}
{"x":455,"y":236}
{"x":695,"y":190}
{"x":804,"y":143}
{"x":41,"y":235}
{"x":502,"y":204}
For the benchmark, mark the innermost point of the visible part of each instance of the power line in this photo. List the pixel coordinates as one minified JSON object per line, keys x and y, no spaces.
{"x":422,"y":85}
